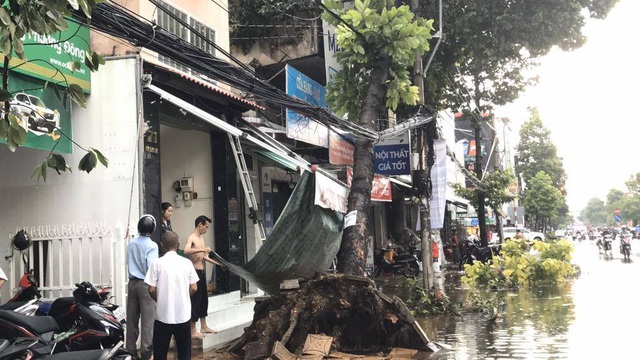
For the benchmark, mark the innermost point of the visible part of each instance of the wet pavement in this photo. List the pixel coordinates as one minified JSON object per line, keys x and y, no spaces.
{"x":591,"y":317}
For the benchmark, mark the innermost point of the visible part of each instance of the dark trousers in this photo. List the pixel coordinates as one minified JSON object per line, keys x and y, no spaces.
{"x":200,"y":299}
{"x":162,"y":337}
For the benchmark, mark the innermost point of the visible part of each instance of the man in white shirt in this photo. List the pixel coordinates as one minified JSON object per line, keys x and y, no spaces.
{"x":172,"y":280}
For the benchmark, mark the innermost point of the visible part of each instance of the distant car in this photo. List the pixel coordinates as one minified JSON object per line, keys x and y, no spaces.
{"x":510,"y":233}
{"x":32,"y":110}
{"x":559,"y":233}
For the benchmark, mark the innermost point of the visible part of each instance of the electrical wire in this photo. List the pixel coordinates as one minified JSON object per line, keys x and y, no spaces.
{"x":113,"y":19}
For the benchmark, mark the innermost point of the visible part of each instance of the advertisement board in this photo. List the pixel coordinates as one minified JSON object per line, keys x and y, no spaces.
{"x":41,"y":113}
{"x":300,"y":127}
{"x":330,"y":49}
{"x":330,"y":194}
{"x":380,"y":187}
{"x":392,"y":156}
{"x":48,"y":56}
{"x":340,"y":150}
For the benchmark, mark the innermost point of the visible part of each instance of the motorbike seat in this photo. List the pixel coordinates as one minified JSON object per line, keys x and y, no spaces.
{"x":12,"y":305}
{"x":102,"y":354}
{"x":37,"y":324}
{"x":60,"y":306}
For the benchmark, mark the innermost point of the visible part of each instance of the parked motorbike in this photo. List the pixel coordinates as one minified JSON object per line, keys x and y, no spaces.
{"x":21,"y":349}
{"x":395,"y":261}
{"x":81,"y":322}
{"x":472,"y":251}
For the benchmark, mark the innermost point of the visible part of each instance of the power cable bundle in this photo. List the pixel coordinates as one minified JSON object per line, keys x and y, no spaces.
{"x":115,"y":20}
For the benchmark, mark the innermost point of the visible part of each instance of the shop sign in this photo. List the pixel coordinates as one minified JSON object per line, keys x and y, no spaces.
{"x":300,"y":127}
{"x":41,"y":114}
{"x":392,"y":156}
{"x":48,"y":56}
{"x":340,"y":150}
{"x":330,"y":194}
{"x":331,"y":47}
{"x":380,"y":187}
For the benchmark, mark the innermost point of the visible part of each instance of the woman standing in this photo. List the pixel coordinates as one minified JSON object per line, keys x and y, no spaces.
{"x":167,"y":211}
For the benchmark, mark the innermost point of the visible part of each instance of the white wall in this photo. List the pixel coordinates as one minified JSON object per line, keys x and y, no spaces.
{"x":108,"y":123}
{"x":187,"y":153}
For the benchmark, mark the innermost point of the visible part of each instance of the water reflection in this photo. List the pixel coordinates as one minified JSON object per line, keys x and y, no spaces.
{"x":593,"y":317}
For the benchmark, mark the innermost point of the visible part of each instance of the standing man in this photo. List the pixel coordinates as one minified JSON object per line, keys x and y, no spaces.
{"x":172,"y":279}
{"x":199,"y":253}
{"x":141,"y":253}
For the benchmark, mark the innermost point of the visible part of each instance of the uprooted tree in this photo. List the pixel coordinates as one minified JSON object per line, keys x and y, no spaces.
{"x":46,"y":19}
{"x":379,"y":41}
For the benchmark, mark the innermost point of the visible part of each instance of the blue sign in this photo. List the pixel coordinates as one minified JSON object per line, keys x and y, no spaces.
{"x":618,"y":217}
{"x":392,"y":156}
{"x":299,"y":127}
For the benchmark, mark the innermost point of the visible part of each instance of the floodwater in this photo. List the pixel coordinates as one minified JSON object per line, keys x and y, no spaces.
{"x":592,"y":317}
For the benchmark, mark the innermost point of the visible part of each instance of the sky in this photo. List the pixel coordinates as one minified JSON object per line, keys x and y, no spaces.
{"x":587,"y":99}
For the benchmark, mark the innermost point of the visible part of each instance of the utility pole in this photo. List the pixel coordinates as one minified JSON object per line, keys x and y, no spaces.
{"x":425,"y":213}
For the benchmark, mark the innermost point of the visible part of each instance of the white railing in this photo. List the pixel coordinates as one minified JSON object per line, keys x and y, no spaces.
{"x":69,"y":254}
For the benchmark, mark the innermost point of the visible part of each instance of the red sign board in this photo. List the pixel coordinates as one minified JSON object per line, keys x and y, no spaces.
{"x":617,"y":211}
{"x":340,"y":150}
{"x":380,"y":189}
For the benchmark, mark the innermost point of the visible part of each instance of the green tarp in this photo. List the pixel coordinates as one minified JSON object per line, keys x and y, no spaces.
{"x":304,"y":240}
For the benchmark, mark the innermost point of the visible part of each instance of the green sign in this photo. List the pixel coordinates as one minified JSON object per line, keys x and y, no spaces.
{"x":48,"y":56}
{"x":41,"y":113}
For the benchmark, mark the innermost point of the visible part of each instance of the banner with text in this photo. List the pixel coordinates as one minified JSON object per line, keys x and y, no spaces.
{"x":340,"y":150}
{"x":330,"y":194}
{"x":300,"y":127}
{"x":331,"y":47}
{"x":392,"y":156}
{"x":48,"y":56}
{"x":437,"y":202}
{"x":380,"y":187}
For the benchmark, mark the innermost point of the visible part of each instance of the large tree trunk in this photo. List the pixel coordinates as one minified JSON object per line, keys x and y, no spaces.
{"x":353,"y":250}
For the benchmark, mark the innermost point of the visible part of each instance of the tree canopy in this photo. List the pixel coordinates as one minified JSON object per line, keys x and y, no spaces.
{"x":542,"y":200}
{"x":594,"y":213}
{"x":494,"y":186}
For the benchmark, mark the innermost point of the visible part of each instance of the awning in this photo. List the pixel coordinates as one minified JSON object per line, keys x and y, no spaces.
{"x":269,"y":146}
{"x":457,"y":200}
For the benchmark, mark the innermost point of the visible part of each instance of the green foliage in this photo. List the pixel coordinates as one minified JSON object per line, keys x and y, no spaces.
{"x":594,"y":213}
{"x":494,"y":186}
{"x":20,"y":17}
{"x":270,"y":21}
{"x":488,"y":46}
{"x":423,"y":302}
{"x":536,"y":152}
{"x":518,"y":265}
{"x":541,"y":198}
{"x":381,"y":29}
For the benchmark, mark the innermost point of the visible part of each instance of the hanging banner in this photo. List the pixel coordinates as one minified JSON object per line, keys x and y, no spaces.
{"x":41,"y":113}
{"x":48,"y":56}
{"x":330,"y":194}
{"x":331,"y":47}
{"x":380,"y":187}
{"x":392,"y":156}
{"x":438,"y":199}
{"x":340,"y":150}
{"x":299,"y":127}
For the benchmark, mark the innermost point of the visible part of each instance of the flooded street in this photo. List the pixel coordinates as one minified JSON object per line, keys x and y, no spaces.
{"x":591,"y":317}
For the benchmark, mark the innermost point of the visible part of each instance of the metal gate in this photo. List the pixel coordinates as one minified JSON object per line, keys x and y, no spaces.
{"x":64,"y":255}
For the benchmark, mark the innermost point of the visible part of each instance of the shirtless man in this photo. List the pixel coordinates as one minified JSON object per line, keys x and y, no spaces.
{"x":199,"y":253}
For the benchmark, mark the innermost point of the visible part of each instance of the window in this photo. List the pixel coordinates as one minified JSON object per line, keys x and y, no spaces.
{"x":166,"y":21}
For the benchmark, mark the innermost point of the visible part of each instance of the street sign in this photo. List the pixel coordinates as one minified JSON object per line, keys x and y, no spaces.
{"x":392,"y":156}
{"x":618,"y":218}
{"x":617,"y":211}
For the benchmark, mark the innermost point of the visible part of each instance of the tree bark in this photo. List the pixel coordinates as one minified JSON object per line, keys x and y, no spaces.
{"x":482,"y":221}
{"x":353,"y":249}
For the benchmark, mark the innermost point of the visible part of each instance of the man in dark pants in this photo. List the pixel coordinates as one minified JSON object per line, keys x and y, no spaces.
{"x":141,"y":252}
{"x":172,"y":279}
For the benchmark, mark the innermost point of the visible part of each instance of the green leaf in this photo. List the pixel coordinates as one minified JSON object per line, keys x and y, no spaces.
{"x":85,"y":8}
{"x":77,"y":95}
{"x":74,"y":4}
{"x":4,"y":128}
{"x":19,"y":50}
{"x":58,"y":163}
{"x":103,"y":160}
{"x":5,"y":95}
{"x":5,"y":17}
{"x":74,"y":65}
{"x":56,"y":91}
{"x":88,"y":162}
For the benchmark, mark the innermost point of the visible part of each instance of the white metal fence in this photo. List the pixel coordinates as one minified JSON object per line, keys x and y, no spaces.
{"x":64,"y":255}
